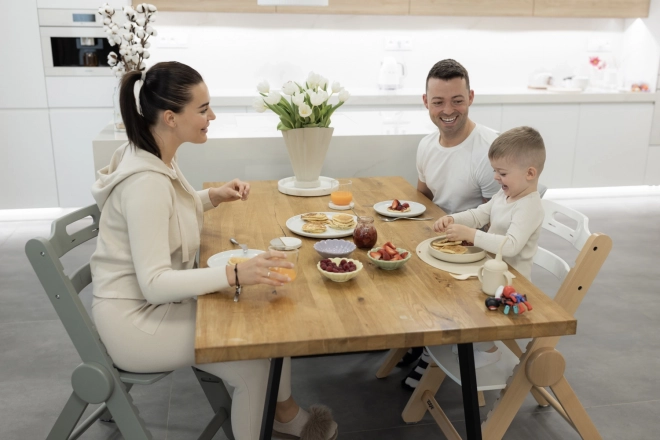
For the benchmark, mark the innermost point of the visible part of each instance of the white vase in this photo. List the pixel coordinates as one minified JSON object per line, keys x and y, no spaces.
{"x":307,"y":149}
{"x":117,"y":120}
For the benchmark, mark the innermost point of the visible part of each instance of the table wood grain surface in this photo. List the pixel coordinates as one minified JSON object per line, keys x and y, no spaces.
{"x":414,"y":306}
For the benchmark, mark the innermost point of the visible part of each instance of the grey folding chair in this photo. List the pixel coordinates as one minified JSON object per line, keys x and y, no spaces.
{"x":96,"y":380}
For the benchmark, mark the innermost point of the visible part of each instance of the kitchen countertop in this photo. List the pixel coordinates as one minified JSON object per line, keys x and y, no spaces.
{"x":518,"y":95}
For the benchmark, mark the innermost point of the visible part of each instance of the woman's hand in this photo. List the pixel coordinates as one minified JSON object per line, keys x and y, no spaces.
{"x":229,"y":192}
{"x":257,"y":270}
{"x":460,"y":232}
{"x":442,"y":223}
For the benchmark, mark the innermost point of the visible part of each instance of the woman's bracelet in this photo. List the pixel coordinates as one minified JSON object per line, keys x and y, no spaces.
{"x":238,"y":284}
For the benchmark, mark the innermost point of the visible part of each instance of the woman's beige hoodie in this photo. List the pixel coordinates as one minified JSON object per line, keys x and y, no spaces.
{"x":149,"y":232}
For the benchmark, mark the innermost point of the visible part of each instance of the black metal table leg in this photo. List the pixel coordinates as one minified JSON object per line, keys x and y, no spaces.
{"x":271,"y":398}
{"x":469,"y":386}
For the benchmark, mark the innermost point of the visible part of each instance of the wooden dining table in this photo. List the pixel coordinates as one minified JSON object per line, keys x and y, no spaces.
{"x":416,"y":305}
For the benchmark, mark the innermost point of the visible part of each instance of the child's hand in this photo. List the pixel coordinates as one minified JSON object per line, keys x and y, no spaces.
{"x":442,"y":223}
{"x":460,"y":232}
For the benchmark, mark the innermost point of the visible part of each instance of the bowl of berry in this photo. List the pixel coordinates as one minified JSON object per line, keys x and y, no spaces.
{"x":339,"y":270}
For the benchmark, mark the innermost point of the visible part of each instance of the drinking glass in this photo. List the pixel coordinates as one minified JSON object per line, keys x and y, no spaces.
{"x":290,"y":255}
{"x":341,"y":194}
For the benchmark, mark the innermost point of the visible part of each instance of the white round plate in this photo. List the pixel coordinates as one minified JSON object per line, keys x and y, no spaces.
{"x":221,"y":258}
{"x":287,"y":186}
{"x":415,"y":209}
{"x":473,"y":254}
{"x":295,"y":224}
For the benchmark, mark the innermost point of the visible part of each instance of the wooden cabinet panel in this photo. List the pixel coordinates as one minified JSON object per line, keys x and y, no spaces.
{"x":592,"y":8}
{"x":212,"y":6}
{"x":373,"y":7}
{"x":472,"y":7}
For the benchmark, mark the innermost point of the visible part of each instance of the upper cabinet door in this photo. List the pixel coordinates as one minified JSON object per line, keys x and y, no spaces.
{"x":592,"y":8}
{"x":22,"y":83}
{"x":212,"y":6}
{"x":371,"y":7}
{"x":518,"y":8}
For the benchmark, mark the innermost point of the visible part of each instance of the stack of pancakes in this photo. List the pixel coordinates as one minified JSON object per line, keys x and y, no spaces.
{"x":314,"y":222}
{"x":342,"y":222}
{"x":448,"y":247}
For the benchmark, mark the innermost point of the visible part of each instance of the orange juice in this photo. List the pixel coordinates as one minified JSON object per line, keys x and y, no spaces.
{"x":341,"y":198}
{"x":291,"y":273}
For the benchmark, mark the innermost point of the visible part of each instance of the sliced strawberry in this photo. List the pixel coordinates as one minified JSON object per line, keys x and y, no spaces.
{"x":386,"y":256}
{"x":390,"y":251}
{"x":389,"y":244}
{"x":395,"y":203}
{"x":406,"y":205}
{"x":396,"y":257}
{"x":400,"y":208}
{"x":376,"y":255}
{"x":404,"y":255}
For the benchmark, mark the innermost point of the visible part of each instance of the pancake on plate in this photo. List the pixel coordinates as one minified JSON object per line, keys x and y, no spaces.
{"x":442,"y":242}
{"x":453,"y":249}
{"x":314,"y":227}
{"x":389,"y":208}
{"x":314,"y":217}
{"x":236,"y":260}
{"x":342,"y":222}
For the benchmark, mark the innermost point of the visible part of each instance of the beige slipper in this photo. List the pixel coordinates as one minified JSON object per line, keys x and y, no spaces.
{"x":317,"y":424}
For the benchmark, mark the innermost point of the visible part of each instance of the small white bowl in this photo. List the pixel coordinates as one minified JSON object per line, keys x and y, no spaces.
{"x":473,"y":254}
{"x":334,"y":248}
{"x":340,"y":277}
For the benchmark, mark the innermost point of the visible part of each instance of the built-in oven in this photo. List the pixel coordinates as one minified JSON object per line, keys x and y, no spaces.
{"x":73,"y":42}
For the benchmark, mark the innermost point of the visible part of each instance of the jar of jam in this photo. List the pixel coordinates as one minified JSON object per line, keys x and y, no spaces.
{"x":365,"y":235}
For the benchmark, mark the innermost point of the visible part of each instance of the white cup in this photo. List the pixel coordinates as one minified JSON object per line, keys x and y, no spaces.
{"x":580,"y":82}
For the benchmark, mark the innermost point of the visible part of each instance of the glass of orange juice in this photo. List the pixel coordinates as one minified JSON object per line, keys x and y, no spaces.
{"x":290,"y":255}
{"x":341,"y":194}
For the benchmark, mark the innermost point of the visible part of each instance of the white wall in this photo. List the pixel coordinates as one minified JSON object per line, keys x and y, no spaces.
{"x":238,"y":50}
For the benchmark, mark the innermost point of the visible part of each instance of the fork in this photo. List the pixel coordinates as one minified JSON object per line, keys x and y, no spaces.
{"x":393,"y":219}
{"x":243,"y":246}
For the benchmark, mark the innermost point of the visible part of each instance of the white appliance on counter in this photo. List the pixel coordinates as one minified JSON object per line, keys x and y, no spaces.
{"x":390,"y":76}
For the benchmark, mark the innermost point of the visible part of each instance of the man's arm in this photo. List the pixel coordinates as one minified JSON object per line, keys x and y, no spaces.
{"x":421,"y":187}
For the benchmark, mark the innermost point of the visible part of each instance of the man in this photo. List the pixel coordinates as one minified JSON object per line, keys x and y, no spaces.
{"x":452,"y":163}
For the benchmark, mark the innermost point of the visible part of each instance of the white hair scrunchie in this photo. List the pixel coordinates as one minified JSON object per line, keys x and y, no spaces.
{"x":136,"y":92}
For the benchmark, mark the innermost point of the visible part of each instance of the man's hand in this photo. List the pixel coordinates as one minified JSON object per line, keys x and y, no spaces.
{"x":442,"y":223}
{"x":229,"y":192}
{"x":460,"y":232}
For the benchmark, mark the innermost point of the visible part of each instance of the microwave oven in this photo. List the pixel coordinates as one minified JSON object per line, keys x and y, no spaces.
{"x":73,"y":42}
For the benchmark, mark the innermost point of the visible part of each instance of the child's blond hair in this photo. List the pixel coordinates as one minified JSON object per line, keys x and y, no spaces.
{"x":522,"y":145}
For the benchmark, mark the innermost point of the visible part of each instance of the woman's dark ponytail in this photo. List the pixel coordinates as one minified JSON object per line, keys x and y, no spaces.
{"x":166,"y":87}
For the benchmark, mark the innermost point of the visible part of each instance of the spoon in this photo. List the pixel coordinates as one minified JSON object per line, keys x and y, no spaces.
{"x":463,"y":277}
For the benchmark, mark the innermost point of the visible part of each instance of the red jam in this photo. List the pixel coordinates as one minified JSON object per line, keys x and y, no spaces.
{"x":365,"y":235}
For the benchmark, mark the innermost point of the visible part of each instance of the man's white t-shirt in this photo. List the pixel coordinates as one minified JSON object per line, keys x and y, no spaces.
{"x":459,"y":177}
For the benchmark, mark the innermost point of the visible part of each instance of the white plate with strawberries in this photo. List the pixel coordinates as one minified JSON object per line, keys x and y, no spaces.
{"x":399,"y":208}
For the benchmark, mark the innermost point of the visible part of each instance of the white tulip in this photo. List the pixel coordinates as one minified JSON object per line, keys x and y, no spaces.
{"x":304,"y":110}
{"x":344,"y":95}
{"x":273,"y":98}
{"x":259,"y":105}
{"x":322,"y":81}
{"x":298,"y":98}
{"x":318,"y":98}
{"x":263,"y":87}
{"x":289,"y":88}
{"x":313,"y":80}
{"x":152,"y":8}
{"x":336,"y":87}
{"x":146,"y":54}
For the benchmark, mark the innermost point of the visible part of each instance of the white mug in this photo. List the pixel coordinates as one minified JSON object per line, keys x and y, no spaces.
{"x":491,"y":280}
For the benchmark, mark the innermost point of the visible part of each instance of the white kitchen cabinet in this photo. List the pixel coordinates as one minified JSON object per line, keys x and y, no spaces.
{"x":80,"y":91}
{"x":73,"y":131}
{"x":21,"y":83}
{"x":612,"y":144}
{"x":652,"y":175}
{"x":558,"y":124}
{"x":27,"y":174}
{"x":489,"y":115}
{"x":80,"y":4}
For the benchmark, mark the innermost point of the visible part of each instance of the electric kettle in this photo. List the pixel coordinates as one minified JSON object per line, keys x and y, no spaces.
{"x":390,"y":76}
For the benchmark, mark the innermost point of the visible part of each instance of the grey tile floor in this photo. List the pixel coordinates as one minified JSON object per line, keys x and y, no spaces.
{"x":612,"y":363}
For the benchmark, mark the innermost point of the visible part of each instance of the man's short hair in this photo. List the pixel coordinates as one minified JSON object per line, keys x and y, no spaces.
{"x":522,"y":145}
{"x":448,"y":69}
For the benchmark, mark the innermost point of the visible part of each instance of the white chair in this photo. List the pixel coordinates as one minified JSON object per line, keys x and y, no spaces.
{"x":594,"y":249}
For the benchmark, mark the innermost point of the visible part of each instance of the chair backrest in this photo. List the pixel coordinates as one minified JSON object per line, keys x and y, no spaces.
{"x":576,"y":237}
{"x":44,"y":256}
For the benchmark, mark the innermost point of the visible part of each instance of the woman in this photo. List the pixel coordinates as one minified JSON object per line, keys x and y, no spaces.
{"x":151,"y":218}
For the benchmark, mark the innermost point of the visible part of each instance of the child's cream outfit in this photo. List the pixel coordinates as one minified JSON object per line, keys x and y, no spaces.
{"x":145,"y":286}
{"x":520,"y":221}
